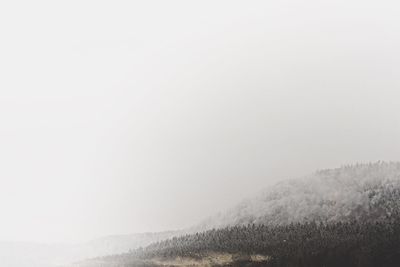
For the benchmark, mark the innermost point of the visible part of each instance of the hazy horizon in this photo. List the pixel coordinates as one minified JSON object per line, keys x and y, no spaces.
{"x":121,"y":117}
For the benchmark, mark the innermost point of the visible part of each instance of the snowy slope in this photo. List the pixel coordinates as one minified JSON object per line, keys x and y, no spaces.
{"x":356,"y":192}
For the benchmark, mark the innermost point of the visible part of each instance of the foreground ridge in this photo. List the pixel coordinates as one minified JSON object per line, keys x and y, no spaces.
{"x":298,"y":245}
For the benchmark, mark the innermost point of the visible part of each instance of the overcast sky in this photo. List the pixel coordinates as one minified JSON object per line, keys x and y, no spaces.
{"x":129,"y":116}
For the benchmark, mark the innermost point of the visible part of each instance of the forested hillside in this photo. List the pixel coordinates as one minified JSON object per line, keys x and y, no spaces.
{"x":354,"y":192}
{"x":352,"y":244}
{"x":342,"y":217}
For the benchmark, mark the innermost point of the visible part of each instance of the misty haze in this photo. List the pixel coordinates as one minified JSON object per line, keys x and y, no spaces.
{"x":211,"y":133}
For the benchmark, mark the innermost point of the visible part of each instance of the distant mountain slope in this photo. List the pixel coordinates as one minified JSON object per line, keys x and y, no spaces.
{"x":116,"y":244}
{"x":20,"y":254}
{"x":357,"y":192}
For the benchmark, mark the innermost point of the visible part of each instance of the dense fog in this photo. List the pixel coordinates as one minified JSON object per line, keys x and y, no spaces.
{"x":124,"y":117}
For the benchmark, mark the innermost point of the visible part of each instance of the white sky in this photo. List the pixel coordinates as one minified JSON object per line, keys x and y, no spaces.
{"x":132,"y":116}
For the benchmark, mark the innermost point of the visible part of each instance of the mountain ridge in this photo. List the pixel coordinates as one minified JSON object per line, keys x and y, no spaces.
{"x":350,"y":192}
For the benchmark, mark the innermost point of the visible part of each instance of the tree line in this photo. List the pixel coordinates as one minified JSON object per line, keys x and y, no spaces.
{"x":358,"y":244}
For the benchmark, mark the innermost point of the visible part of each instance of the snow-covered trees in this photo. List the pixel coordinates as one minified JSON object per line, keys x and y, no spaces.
{"x":356,"y":244}
{"x":344,"y":217}
{"x":354,"y":192}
